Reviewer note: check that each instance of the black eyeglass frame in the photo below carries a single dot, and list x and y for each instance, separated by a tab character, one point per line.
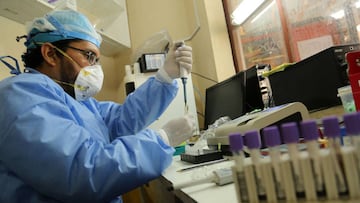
90	55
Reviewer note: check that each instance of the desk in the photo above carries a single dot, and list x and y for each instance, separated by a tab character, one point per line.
158	190
202	193
332	111
207	192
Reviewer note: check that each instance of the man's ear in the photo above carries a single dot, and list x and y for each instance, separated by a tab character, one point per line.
49	54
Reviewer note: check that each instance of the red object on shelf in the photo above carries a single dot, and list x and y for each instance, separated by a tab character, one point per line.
353	60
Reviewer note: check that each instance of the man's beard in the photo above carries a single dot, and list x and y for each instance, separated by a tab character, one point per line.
66	76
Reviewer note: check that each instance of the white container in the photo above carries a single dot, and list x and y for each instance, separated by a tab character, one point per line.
347	99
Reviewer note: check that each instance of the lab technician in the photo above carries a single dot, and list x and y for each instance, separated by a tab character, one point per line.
58	143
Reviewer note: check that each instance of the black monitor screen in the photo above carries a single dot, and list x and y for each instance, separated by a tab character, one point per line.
231	98
225	99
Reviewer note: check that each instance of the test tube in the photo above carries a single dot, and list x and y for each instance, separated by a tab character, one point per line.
333	133
352	126
236	146
310	133
272	140
252	141
352	155
290	133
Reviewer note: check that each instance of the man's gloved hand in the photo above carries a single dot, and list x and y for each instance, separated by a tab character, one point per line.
178	130
176	57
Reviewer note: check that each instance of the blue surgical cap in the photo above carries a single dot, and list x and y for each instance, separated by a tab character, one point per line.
61	25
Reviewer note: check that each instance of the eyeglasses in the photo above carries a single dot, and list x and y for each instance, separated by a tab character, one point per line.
90	56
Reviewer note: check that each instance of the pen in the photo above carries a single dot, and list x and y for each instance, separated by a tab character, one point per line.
202	164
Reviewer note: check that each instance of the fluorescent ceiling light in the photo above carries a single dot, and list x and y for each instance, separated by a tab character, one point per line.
244	10
263	11
357	4
339	14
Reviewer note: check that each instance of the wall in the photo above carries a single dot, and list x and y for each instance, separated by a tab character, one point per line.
8	44
211	46
212	51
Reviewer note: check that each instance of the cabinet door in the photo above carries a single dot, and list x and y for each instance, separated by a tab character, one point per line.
108	17
111	21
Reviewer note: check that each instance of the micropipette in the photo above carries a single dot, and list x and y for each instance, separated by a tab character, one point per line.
183	71
183	77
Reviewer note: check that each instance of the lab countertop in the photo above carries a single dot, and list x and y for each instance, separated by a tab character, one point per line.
206	192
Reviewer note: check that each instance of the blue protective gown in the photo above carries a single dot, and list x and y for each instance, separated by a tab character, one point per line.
56	149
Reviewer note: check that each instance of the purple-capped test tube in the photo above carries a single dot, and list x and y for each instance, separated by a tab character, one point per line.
290	134
310	132
352	124
332	132
331	127
253	143
271	136
272	140
236	142
236	146
252	139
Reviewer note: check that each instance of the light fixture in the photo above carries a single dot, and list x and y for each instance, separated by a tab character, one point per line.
263	11
244	10
339	14
357	4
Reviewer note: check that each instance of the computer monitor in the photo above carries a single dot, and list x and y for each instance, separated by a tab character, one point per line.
233	97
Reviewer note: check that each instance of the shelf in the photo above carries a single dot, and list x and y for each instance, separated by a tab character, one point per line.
109	19
101	9
18	10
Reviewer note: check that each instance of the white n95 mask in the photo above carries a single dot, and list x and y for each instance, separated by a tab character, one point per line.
88	82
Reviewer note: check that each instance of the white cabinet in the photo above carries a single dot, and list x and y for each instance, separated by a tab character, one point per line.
110	20
108	16
23	10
